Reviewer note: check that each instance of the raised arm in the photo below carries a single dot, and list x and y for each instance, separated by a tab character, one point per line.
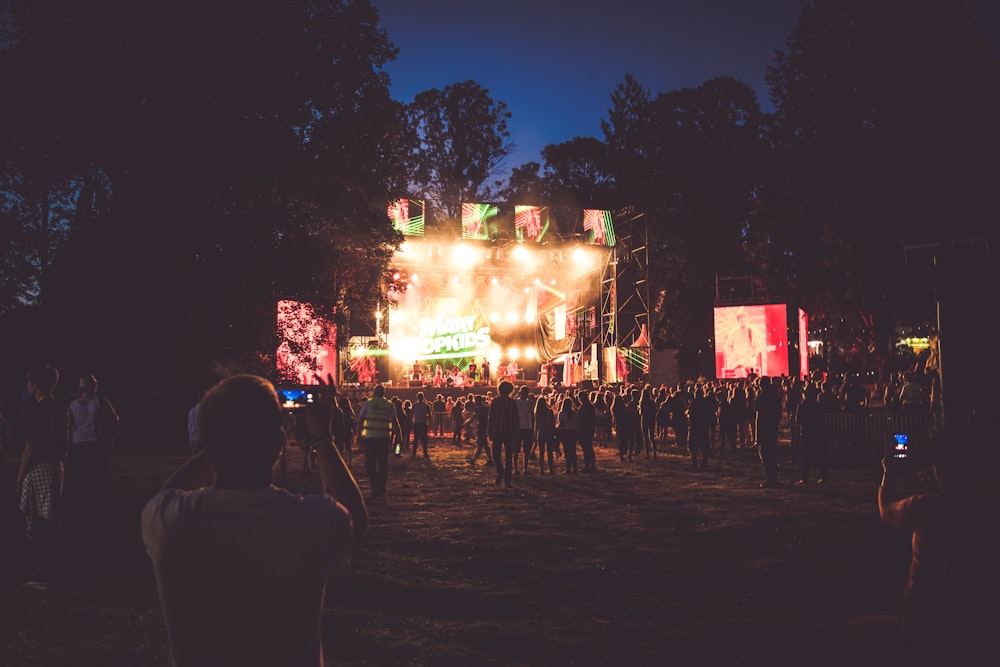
339	484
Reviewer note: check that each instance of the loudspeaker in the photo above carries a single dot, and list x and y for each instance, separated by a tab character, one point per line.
416	383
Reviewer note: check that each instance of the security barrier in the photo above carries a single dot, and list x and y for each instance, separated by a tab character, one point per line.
860	439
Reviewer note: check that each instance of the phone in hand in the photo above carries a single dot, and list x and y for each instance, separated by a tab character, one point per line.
901	448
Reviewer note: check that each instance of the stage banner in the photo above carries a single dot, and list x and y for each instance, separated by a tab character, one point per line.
447	328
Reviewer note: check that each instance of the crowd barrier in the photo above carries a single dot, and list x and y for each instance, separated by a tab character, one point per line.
860	439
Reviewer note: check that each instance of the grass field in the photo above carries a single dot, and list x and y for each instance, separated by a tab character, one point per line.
642	563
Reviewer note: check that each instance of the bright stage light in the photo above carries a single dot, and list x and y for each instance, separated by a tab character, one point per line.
494	281
460	254
513	353
494	317
404	349
520	252
530	353
512	316
527	290
581	257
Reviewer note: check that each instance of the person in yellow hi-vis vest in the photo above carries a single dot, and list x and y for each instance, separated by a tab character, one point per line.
379	426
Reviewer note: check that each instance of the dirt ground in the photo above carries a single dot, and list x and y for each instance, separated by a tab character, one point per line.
641	563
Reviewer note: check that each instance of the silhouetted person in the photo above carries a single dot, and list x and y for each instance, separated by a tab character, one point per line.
812	439
421	418
727	423
567	431
768	411
545	434
677	407
503	428
586	425
701	416
623	426
482	433
441	412
241	565
526	431
93	429
949	601
40	474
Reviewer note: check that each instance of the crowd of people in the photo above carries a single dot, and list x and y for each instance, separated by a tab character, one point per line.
559	427
239	432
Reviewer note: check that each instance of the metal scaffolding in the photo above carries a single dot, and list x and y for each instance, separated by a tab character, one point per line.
625	292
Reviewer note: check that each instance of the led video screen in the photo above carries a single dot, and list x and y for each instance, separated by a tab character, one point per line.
751	340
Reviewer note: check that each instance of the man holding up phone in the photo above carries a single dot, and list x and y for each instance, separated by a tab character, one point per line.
241	565
950	594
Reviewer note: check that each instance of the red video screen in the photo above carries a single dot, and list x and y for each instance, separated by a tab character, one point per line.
751	340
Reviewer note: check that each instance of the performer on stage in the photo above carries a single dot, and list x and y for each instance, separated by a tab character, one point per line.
472	372
549	370
486	370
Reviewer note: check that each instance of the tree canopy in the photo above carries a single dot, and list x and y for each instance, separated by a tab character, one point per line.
461	143
883	131
226	154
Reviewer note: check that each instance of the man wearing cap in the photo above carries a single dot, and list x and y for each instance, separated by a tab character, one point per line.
379	426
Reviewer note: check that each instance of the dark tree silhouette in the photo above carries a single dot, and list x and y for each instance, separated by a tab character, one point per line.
462	142
883	135
245	153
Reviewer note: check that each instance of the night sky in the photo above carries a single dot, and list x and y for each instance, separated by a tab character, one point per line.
555	63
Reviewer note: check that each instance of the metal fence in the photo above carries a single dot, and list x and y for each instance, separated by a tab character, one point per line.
860	439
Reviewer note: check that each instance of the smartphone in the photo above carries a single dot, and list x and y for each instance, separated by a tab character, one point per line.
901	450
